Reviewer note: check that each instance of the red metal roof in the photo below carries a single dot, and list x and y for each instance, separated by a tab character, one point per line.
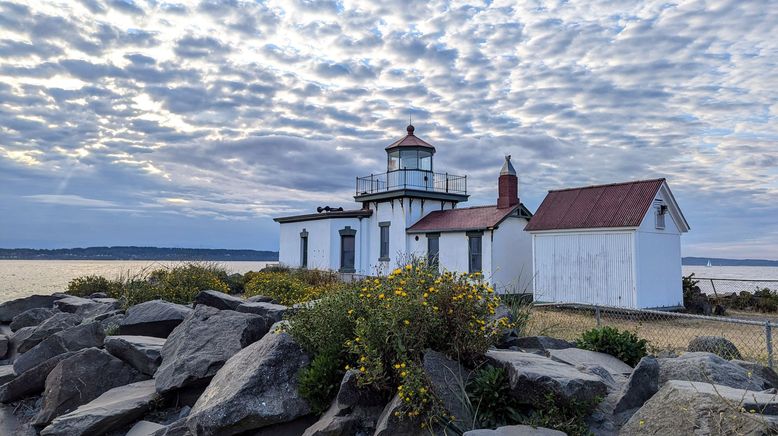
410	140
614	205
464	219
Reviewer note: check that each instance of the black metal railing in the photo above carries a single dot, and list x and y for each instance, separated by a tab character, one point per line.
419	180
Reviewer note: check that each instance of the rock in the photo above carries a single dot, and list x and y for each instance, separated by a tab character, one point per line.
10	309
178	428
198	347
80	379
217	299
686	408
515	430
85	307
31	381
111	324
585	358
716	345
153	318
97	295
111	411
261	299
6	374
389	424
533	378
354	411
4	342
72	339
256	388
141	352
642	385
542	343
57	323
766	373
20	336
709	368
32	317
448	379
272	313
144	428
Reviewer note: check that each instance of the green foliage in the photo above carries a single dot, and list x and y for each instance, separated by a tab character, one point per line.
567	417
318	383
87	285
112	330
490	397
382	326
291	286
624	345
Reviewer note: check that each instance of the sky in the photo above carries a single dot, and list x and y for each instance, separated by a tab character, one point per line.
142	122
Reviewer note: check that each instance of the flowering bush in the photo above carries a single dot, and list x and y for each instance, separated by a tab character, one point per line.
291	286
84	286
388	322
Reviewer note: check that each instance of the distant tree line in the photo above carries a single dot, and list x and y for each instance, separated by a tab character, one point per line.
137	253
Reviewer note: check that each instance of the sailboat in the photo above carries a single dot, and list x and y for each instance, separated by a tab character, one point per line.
709	264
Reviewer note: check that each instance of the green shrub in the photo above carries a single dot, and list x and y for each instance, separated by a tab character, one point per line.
383	326
291	286
489	393
567	417
624	345
87	285
319	382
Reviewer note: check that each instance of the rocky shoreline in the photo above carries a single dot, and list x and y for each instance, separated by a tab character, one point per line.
223	366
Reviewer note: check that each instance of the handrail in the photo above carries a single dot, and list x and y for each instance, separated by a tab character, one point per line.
414	179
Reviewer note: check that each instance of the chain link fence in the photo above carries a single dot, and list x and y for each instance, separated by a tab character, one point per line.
730	287
666	332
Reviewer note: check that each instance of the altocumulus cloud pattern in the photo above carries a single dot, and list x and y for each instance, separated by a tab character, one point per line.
192	123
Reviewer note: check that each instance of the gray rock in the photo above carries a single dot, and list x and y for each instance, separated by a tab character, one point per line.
217	299
766	373
20	336
73	339
261	299
111	411
6	374
354	411
198	347
178	428
533	378
686	408
271	313
85	307
10	309
642	385
716	345
56	323
31	381
542	343
4	342
448	380
32	317
141	352
97	295
709	368
391	425
153	318
585	358
516	430
80	379
350	394
112	323
144	428
256	388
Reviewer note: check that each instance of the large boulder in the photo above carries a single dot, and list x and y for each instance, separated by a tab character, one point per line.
764	372
6	374
141	352
533	378
80	379
217	299
153	318
714	344
261	299
109	412
587	359
391	424
355	410
4	342
683	407
198	347
86	307
270	311
10	309
144	428
709	368
21	335
32	317
256	388
30	382
57	323
643	383
448	379
542	343
73	339
515	430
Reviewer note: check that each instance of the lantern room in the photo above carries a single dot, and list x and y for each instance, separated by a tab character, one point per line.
409	153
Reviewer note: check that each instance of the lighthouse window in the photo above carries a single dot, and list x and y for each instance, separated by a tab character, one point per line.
425	161
304	249
409	159
384	254
347	249
474	245
394	161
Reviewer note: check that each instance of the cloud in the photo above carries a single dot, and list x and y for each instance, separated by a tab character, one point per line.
70	200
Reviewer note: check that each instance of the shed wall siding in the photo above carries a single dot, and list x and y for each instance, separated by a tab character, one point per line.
587	268
512	257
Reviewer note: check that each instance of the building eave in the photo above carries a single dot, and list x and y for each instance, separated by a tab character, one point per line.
362	213
412	193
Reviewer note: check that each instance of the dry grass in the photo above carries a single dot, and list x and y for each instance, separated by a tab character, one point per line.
663	333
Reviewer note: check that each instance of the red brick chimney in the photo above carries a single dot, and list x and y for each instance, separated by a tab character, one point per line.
508	186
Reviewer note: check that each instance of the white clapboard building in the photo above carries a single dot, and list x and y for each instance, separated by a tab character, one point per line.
616	245
412	210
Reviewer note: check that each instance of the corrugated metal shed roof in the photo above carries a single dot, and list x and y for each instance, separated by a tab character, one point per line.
464	219
613	205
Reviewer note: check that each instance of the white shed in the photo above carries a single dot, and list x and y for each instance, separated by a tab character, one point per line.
612	245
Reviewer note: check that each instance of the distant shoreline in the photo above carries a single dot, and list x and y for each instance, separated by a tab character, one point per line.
138	253
716	261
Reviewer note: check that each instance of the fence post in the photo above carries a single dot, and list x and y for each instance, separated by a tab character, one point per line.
768	333
597	315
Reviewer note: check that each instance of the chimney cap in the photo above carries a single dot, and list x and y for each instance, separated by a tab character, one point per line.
507	167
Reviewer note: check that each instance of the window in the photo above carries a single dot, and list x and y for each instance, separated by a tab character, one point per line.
474	251
409	159
394	161
304	249
347	249
433	249
661	211
384	249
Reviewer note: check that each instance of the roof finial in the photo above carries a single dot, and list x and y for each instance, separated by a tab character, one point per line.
410	127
